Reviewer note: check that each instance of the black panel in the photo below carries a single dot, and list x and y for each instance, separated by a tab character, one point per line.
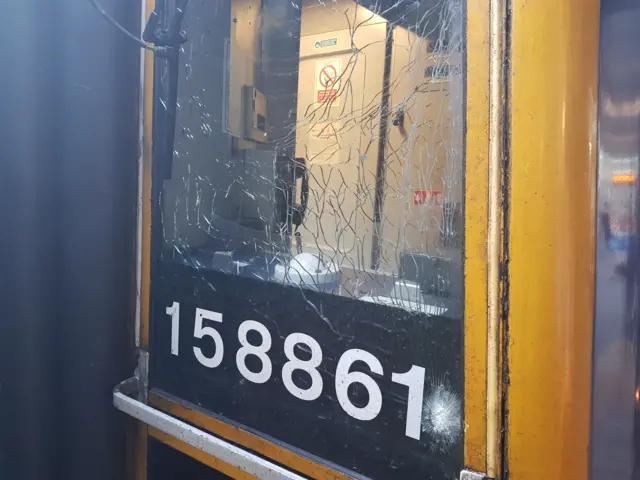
399	339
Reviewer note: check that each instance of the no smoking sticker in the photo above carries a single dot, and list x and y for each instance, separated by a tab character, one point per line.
328	82
328	76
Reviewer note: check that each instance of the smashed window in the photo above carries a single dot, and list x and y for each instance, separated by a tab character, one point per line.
307	229
319	145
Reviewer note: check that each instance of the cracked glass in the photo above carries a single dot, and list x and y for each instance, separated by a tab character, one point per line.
308	227
319	145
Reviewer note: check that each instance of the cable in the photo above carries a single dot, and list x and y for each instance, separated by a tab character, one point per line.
113	22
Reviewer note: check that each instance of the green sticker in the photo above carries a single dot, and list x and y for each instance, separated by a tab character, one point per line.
329	42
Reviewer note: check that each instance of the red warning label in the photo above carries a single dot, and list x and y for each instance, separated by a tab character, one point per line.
327	83
326	96
427	197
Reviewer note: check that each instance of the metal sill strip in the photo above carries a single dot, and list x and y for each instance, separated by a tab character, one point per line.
207	443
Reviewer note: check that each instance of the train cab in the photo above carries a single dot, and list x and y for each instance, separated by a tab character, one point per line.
322	239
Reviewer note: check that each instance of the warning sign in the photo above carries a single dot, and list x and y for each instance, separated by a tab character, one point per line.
328	74
427	197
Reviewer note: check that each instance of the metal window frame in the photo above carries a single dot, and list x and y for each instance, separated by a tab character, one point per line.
477	32
124	399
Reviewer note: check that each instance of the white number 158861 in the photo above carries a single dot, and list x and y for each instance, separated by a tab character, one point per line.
414	379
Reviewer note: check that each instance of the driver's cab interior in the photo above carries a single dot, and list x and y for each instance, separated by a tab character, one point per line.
319	145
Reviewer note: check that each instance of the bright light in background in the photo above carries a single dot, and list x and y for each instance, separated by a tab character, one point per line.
625	178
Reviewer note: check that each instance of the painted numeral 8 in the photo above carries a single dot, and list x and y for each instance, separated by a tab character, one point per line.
259	351
310	366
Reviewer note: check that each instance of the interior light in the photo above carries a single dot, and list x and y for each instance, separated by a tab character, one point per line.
627	178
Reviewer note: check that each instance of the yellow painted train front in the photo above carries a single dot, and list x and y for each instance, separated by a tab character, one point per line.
343	239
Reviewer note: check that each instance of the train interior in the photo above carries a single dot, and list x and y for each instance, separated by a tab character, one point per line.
321	146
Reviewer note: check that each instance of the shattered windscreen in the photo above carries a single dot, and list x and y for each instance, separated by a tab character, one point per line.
308	228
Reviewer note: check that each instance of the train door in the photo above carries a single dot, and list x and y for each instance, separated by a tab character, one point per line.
305	240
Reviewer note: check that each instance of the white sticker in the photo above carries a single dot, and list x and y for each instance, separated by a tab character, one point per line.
327	91
324	143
